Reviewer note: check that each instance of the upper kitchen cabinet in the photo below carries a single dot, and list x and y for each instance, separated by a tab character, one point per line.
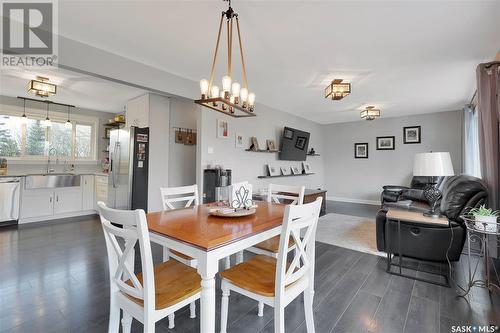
137	111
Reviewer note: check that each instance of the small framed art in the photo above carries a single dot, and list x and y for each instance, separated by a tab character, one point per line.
412	134
386	142
361	150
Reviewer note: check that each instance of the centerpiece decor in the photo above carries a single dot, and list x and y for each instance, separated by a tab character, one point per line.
232	100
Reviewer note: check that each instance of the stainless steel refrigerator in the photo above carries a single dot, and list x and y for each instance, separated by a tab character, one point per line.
129	161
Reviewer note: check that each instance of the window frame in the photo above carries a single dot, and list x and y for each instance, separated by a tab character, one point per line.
38	114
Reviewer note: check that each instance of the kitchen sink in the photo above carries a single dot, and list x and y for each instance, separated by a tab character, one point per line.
51	180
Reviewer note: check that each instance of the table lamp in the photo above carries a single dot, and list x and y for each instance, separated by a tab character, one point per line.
433	165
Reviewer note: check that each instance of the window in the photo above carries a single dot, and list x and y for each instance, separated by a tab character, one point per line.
83	142
29	139
10	136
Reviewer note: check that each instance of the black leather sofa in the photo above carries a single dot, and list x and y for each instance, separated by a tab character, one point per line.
412	196
426	242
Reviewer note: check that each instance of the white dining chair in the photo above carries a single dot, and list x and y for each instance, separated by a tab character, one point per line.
155	292
175	198
277	282
292	195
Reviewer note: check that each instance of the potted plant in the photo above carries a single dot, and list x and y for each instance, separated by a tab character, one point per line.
485	218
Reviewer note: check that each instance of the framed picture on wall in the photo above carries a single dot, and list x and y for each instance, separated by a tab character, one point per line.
412	134
386	142
222	129
306	167
239	140
273	170
296	170
286	171
361	150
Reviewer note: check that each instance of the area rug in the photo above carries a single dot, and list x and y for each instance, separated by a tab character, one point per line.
351	232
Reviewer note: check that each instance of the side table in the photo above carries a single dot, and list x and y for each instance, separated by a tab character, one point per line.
399	215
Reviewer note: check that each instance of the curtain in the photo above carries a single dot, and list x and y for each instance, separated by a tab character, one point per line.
472	165
488	106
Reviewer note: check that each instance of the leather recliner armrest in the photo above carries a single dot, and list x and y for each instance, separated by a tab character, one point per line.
414	194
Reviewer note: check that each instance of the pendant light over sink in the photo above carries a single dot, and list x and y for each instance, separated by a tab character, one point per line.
233	100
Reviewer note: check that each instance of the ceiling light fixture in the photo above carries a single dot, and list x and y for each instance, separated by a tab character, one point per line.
41	87
337	89
232	97
24	118
68	123
370	113
47	122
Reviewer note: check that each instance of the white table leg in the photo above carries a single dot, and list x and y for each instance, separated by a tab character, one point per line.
207	270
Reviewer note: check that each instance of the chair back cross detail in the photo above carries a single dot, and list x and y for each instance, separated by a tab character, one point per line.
172	195
280	193
120	243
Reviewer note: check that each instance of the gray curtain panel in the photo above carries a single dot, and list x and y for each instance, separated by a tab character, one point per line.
488	106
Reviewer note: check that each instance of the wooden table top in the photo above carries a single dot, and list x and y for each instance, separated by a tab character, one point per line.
418	217
196	227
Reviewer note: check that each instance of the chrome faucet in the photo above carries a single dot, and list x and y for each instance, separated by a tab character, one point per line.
51	150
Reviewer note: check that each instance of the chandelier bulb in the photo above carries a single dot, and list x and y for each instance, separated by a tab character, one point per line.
214	92
226	83
235	89
204	87
68	124
244	94
251	99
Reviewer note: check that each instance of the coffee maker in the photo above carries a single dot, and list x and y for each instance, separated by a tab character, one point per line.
216	185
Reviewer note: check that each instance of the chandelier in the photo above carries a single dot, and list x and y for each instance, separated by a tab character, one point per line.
370	113
232	99
337	89
41	87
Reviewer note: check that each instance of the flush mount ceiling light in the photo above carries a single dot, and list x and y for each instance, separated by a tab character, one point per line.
41	87
337	89
233	100
370	113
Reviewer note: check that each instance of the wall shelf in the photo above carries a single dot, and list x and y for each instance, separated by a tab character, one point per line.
300	174
262	151
115	124
313	155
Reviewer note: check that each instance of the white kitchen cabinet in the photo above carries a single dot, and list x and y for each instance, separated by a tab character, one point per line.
67	200
137	111
101	189
87	184
37	203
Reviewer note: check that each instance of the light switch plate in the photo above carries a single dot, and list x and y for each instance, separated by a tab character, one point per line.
210	150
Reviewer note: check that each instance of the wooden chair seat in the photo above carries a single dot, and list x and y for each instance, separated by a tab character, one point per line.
257	275
272	244
174	282
182	255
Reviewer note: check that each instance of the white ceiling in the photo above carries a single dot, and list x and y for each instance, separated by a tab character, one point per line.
406	57
73	88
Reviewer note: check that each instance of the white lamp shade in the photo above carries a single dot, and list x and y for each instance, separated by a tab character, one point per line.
433	164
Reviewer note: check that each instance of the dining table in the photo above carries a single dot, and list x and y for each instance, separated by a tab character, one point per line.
206	238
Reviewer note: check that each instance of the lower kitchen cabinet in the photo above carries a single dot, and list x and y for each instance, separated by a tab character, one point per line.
88	192
52	203
37	203
67	200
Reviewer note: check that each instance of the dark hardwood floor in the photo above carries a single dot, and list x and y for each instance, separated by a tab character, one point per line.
54	278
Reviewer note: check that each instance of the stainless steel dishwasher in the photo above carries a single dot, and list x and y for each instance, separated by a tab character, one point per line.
9	200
